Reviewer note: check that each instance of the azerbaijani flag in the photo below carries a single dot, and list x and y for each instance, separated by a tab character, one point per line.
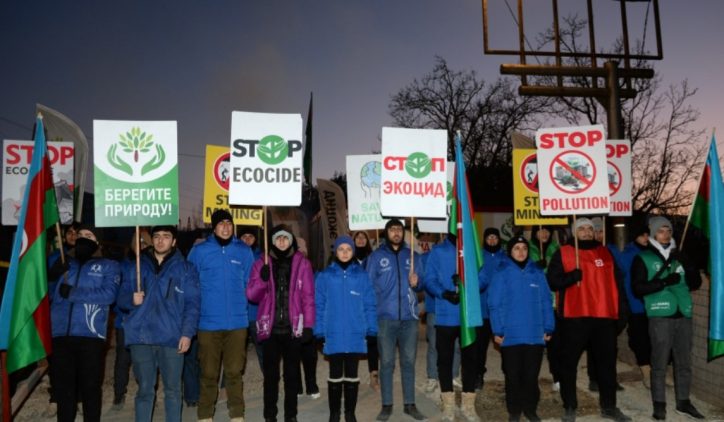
25	311
708	216
470	258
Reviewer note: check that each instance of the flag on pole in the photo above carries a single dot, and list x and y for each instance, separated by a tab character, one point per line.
25	311
708	216
470	258
308	144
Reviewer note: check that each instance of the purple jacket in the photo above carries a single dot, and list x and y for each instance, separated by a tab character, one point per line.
301	296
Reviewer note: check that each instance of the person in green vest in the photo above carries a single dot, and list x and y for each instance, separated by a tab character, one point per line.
664	278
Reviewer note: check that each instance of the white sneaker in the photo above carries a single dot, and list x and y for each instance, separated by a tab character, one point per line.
431	385
457	382
556	386
315	396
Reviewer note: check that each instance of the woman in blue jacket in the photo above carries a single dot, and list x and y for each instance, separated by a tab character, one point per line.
345	309
521	315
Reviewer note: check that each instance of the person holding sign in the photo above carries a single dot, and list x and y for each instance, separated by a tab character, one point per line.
282	283
521	315
79	307
345	315
223	263
391	270
162	320
664	278
591	300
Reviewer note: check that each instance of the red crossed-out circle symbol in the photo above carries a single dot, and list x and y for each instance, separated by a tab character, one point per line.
572	172
529	172
222	171
614	178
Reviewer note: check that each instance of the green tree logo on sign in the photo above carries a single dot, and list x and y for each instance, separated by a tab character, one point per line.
136	145
418	165
272	149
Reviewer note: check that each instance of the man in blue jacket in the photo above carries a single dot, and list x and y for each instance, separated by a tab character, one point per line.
163	316
395	288
223	263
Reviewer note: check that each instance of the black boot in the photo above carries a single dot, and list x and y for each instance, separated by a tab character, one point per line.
335	401
350	400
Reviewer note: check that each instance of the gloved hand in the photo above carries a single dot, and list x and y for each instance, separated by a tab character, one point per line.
574	276
320	341
542	263
307	335
451	297
456	279
65	290
264	273
671	279
57	269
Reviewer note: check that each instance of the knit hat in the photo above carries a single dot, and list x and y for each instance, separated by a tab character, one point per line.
580	222
657	222
394	222
518	238
279	231
170	229
344	240
218	216
597	223
491	230
252	230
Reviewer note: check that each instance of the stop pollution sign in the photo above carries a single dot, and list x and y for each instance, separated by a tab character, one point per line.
572	175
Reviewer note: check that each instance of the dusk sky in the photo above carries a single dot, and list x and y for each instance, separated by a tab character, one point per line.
197	61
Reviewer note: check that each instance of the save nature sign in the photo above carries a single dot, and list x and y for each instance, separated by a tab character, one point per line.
136	173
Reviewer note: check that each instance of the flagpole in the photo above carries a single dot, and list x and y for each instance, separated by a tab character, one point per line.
698	184
575	242
7	406
62	252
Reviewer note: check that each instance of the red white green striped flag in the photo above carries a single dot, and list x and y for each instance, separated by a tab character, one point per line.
708	216
25	312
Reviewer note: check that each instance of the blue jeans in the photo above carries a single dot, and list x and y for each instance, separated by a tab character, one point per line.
404	335
192	373
432	350
147	359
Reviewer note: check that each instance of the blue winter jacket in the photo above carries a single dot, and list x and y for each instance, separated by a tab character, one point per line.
345	309
85	312
388	270
624	259
441	266
429	298
223	276
491	263
521	309
170	307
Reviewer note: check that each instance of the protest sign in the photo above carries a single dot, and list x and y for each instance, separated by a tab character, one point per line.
618	154
440	225
525	190
364	179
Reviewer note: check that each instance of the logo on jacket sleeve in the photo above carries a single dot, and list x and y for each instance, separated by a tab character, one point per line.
384	262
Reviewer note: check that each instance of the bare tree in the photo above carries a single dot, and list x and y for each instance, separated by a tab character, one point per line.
660	122
485	113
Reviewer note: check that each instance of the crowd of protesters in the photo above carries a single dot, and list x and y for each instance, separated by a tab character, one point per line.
192	319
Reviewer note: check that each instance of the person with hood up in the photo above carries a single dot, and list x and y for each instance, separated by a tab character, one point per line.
442	281
282	283
223	264
493	254
345	315
521	315
664	277
79	308
396	290
162	320
363	249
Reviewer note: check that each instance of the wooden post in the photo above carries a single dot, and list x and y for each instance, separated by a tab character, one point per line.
138	259
266	237
412	245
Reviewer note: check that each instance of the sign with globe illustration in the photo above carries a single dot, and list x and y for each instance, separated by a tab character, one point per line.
135	169
364	176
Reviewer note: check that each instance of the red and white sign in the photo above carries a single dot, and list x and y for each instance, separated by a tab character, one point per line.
414	174
572	170
618	154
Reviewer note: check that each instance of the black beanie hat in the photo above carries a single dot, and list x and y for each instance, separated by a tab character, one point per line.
218	216
518	238
491	230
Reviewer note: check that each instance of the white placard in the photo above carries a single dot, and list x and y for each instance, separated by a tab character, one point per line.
16	164
266	159
364	179
414	172
618	154
440	225
572	170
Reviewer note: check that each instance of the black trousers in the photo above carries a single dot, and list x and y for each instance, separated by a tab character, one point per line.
309	363
281	348
553	352
445	338
638	338
78	370
343	367
521	366
373	355
122	365
483	335
599	336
